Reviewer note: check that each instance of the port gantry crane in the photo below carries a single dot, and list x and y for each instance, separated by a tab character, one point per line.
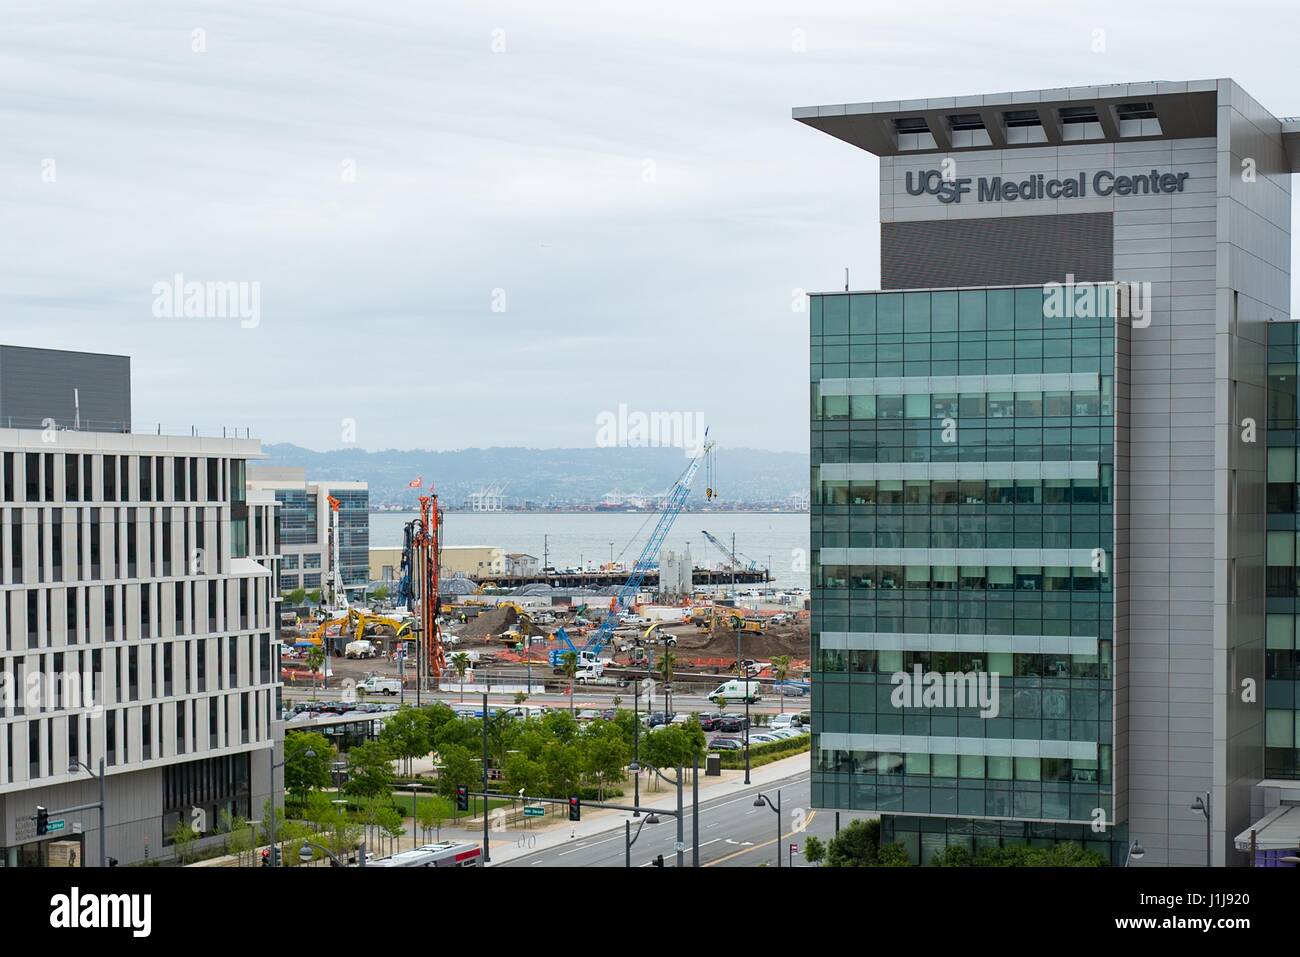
734	559
418	588
648	559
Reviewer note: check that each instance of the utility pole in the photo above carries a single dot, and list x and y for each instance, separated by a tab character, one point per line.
487	857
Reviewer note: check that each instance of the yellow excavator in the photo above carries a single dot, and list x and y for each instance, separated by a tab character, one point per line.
357	622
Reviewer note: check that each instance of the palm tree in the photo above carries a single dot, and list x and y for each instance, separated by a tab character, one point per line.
666	672
570	661
315	660
460	661
781	671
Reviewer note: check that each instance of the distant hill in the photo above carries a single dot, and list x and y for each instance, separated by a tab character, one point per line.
548	476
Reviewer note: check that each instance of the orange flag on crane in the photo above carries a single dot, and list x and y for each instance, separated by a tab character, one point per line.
416	482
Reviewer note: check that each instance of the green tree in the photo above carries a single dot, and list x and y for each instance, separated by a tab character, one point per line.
430	818
524	773
563	766
406	735
570	667
239	837
370	770
521	697
380	593
605	755
857	845
303	773
313	596
459	766
460	661
183	838
954	855
893	855
814	850
296	597
781	671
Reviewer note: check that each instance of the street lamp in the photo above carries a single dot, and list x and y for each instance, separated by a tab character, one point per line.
762	800
629	838
635	766
743	672
305	855
680	846
1135	853
76	765
1203	805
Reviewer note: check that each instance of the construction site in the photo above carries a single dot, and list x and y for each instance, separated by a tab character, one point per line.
652	620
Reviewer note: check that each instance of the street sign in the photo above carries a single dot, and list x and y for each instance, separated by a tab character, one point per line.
794	848
55	826
534	810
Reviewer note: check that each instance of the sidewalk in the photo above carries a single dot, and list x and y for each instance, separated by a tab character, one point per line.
506	845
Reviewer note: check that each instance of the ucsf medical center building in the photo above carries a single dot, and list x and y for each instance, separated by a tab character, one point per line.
1054	461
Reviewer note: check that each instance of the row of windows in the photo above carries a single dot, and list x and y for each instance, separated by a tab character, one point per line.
965	406
96	544
37	618
964	492
964	766
969	310
51	477
1026	709
77	679
834	364
1005	663
953	577
970	798
45	747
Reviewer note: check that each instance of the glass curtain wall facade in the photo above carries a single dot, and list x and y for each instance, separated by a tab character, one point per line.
354	536
1282	654
962	527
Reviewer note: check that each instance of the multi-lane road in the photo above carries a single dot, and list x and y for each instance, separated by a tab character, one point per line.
733	833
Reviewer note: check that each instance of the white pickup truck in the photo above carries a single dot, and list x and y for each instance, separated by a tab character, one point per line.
595	675
377	685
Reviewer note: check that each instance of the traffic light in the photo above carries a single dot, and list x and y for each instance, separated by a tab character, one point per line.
659	861
275	856
42	820
575	809
462	798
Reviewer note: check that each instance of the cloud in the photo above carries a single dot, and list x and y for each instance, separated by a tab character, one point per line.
628	181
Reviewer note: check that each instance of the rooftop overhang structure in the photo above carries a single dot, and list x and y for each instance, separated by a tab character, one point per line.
1122	113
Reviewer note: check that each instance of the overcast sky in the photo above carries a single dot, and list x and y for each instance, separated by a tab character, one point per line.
624	179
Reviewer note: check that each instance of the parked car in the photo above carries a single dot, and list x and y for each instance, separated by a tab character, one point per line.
732	723
726	744
659	718
762	737
589	714
709	720
784	733
609	714
789	719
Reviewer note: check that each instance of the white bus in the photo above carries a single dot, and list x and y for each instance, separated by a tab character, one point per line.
444	854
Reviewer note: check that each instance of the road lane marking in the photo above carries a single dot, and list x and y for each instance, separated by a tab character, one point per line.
759	847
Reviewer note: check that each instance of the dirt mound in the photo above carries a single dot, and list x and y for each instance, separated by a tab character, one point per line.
794	640
492	622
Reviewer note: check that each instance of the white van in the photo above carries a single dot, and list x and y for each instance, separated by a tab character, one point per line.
736	690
